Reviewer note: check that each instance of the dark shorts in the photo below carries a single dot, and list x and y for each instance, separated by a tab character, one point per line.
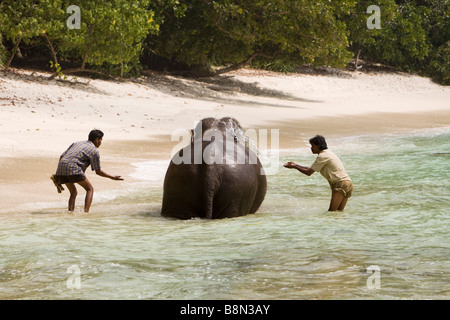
70	179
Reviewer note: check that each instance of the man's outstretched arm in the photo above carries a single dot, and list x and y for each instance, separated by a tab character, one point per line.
305	170
102	173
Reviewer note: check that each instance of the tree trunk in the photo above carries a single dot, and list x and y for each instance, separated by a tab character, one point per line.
75	70
55	59
83	62
356	60
244	63
121	58
12	54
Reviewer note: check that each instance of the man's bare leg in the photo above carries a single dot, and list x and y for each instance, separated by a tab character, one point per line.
89	194
73	195
342	205
337	202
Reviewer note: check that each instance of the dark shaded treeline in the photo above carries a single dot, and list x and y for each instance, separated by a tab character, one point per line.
203	37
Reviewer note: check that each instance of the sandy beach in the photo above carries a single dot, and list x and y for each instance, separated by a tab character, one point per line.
40	118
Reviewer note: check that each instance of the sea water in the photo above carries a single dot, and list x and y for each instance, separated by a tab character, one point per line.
391	242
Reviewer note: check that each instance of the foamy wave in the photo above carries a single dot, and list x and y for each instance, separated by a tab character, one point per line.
153	170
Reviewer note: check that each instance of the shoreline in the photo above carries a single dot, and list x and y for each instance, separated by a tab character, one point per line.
119	157
39	119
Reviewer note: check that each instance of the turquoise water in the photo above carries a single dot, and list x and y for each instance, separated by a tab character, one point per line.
397	220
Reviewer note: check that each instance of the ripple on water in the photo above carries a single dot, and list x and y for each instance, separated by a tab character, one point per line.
291	249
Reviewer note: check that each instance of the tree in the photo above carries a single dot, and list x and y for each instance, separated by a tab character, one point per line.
437	65
111	33
51	17
414	36
216	36
402	39
236	32
18	23
2	53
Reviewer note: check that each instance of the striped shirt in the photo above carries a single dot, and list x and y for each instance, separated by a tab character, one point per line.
77	158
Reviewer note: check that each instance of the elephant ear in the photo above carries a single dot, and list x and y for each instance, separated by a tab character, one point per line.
202	126
231	122
237	124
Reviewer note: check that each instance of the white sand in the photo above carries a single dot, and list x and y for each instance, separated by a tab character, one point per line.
39	118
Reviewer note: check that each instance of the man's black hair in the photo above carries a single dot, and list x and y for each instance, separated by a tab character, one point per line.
319	141
95	134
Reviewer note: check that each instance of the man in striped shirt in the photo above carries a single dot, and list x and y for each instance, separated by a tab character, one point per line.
73	164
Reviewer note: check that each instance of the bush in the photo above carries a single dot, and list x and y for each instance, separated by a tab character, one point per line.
439	67
200	34
3	53
111	31
204	33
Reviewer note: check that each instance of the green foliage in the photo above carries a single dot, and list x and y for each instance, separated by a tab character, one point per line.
111	32
229	32
413	35
19	20
439	67
3	53
22	21
57	68
401	41
272	34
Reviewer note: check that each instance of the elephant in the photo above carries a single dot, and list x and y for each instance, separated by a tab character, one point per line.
219	176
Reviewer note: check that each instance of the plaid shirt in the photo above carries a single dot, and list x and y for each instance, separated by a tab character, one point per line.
77	158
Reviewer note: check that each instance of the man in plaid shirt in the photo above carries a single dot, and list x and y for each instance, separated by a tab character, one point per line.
73	164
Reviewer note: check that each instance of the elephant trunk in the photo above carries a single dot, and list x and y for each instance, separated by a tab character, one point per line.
211	182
